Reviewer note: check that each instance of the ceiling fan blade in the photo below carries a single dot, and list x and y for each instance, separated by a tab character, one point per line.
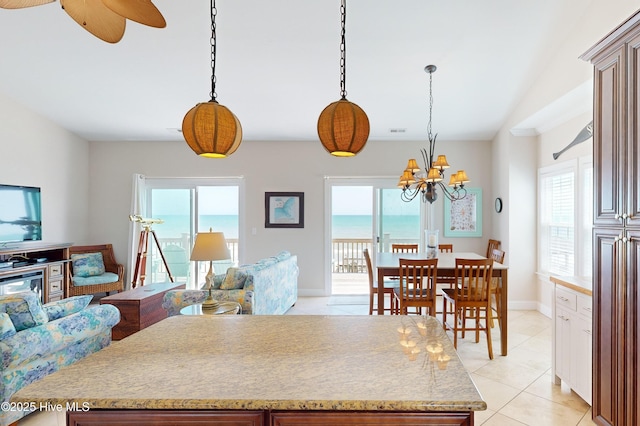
19	4
96	18
141	11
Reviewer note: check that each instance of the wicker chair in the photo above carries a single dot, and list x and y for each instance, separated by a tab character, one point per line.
110	265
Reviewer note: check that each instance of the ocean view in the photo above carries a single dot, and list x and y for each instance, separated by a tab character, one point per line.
344	226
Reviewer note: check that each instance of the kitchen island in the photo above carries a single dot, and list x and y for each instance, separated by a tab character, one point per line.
269	370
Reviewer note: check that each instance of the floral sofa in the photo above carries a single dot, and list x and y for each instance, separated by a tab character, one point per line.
37	340
267	287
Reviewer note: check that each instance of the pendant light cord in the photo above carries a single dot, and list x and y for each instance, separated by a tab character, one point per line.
343	50
214	12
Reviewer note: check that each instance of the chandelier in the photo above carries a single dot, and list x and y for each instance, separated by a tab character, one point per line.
415	182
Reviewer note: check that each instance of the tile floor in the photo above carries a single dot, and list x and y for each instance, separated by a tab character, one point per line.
518	388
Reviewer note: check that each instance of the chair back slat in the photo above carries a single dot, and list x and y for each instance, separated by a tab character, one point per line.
367	260
493	244
474	278
404	248
418	279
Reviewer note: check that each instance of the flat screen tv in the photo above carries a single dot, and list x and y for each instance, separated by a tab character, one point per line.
20	214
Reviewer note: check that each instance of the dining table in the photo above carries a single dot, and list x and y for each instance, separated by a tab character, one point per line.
388	265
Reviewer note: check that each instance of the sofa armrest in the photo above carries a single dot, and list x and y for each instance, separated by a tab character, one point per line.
174	300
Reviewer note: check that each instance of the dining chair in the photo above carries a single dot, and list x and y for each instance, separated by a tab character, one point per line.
373	287
445	248
492	244
418	279
404	248
470	300
498	256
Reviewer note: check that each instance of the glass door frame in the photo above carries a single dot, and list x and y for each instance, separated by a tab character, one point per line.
375	183
192	184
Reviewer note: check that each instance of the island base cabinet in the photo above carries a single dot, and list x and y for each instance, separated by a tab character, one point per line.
324	418
166	418
262	418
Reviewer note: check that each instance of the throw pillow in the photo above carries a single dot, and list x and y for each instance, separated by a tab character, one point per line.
68	306
6	326
24	309
87	264
234	279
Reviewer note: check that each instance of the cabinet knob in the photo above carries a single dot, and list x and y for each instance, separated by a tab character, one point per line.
624	215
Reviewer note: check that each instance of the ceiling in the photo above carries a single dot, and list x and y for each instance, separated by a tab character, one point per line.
278	65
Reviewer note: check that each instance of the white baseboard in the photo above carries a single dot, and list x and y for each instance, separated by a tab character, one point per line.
311	293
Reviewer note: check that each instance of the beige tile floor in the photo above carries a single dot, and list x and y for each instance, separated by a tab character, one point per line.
518	388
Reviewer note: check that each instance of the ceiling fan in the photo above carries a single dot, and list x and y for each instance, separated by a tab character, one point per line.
105	19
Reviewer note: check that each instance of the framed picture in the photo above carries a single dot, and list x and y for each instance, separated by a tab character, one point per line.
284	209
463	218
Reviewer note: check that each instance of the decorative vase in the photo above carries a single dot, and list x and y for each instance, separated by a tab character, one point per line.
431	241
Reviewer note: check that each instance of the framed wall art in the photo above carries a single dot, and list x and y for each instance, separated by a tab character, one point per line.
284	209
463	218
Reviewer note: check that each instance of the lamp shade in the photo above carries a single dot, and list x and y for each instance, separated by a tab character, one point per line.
412	166
343	128
212	130
441	162
461	177
434	175
210	246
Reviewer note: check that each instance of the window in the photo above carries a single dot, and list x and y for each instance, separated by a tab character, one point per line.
564	218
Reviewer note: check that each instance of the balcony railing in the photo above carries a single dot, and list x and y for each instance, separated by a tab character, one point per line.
347	253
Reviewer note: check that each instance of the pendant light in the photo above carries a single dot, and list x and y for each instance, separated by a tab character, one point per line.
343	127
210	129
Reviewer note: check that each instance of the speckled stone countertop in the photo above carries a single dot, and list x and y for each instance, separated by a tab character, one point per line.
270	362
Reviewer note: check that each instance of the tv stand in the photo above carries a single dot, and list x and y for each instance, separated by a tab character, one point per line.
52	260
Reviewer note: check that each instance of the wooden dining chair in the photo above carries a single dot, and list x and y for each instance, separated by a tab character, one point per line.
470	300
497	255
492	244
404	248
373	287
445	248
418	279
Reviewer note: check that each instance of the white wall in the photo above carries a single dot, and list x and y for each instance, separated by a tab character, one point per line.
513	174
267	166
36	152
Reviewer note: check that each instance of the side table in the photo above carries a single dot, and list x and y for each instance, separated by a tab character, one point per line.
224	308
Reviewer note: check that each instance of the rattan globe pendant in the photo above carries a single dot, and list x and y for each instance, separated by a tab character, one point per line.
211	130
343	128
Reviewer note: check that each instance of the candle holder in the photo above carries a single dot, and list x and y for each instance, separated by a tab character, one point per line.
431	241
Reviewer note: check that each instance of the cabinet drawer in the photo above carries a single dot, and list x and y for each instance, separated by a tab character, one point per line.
55	286
585	306
565	298
55	270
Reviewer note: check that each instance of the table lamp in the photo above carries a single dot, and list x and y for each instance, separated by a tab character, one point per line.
210	246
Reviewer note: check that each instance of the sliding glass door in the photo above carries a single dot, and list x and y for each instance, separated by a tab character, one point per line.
185	207
364	213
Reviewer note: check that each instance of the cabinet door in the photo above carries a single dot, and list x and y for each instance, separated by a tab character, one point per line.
583	347
632	209
609	135
608	328
563	344
633	327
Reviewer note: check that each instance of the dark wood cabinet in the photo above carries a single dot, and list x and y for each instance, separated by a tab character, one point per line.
616	235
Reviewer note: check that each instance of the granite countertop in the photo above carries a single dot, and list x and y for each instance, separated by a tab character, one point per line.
270	362
578	284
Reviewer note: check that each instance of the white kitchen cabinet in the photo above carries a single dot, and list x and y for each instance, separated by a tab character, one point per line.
572	340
